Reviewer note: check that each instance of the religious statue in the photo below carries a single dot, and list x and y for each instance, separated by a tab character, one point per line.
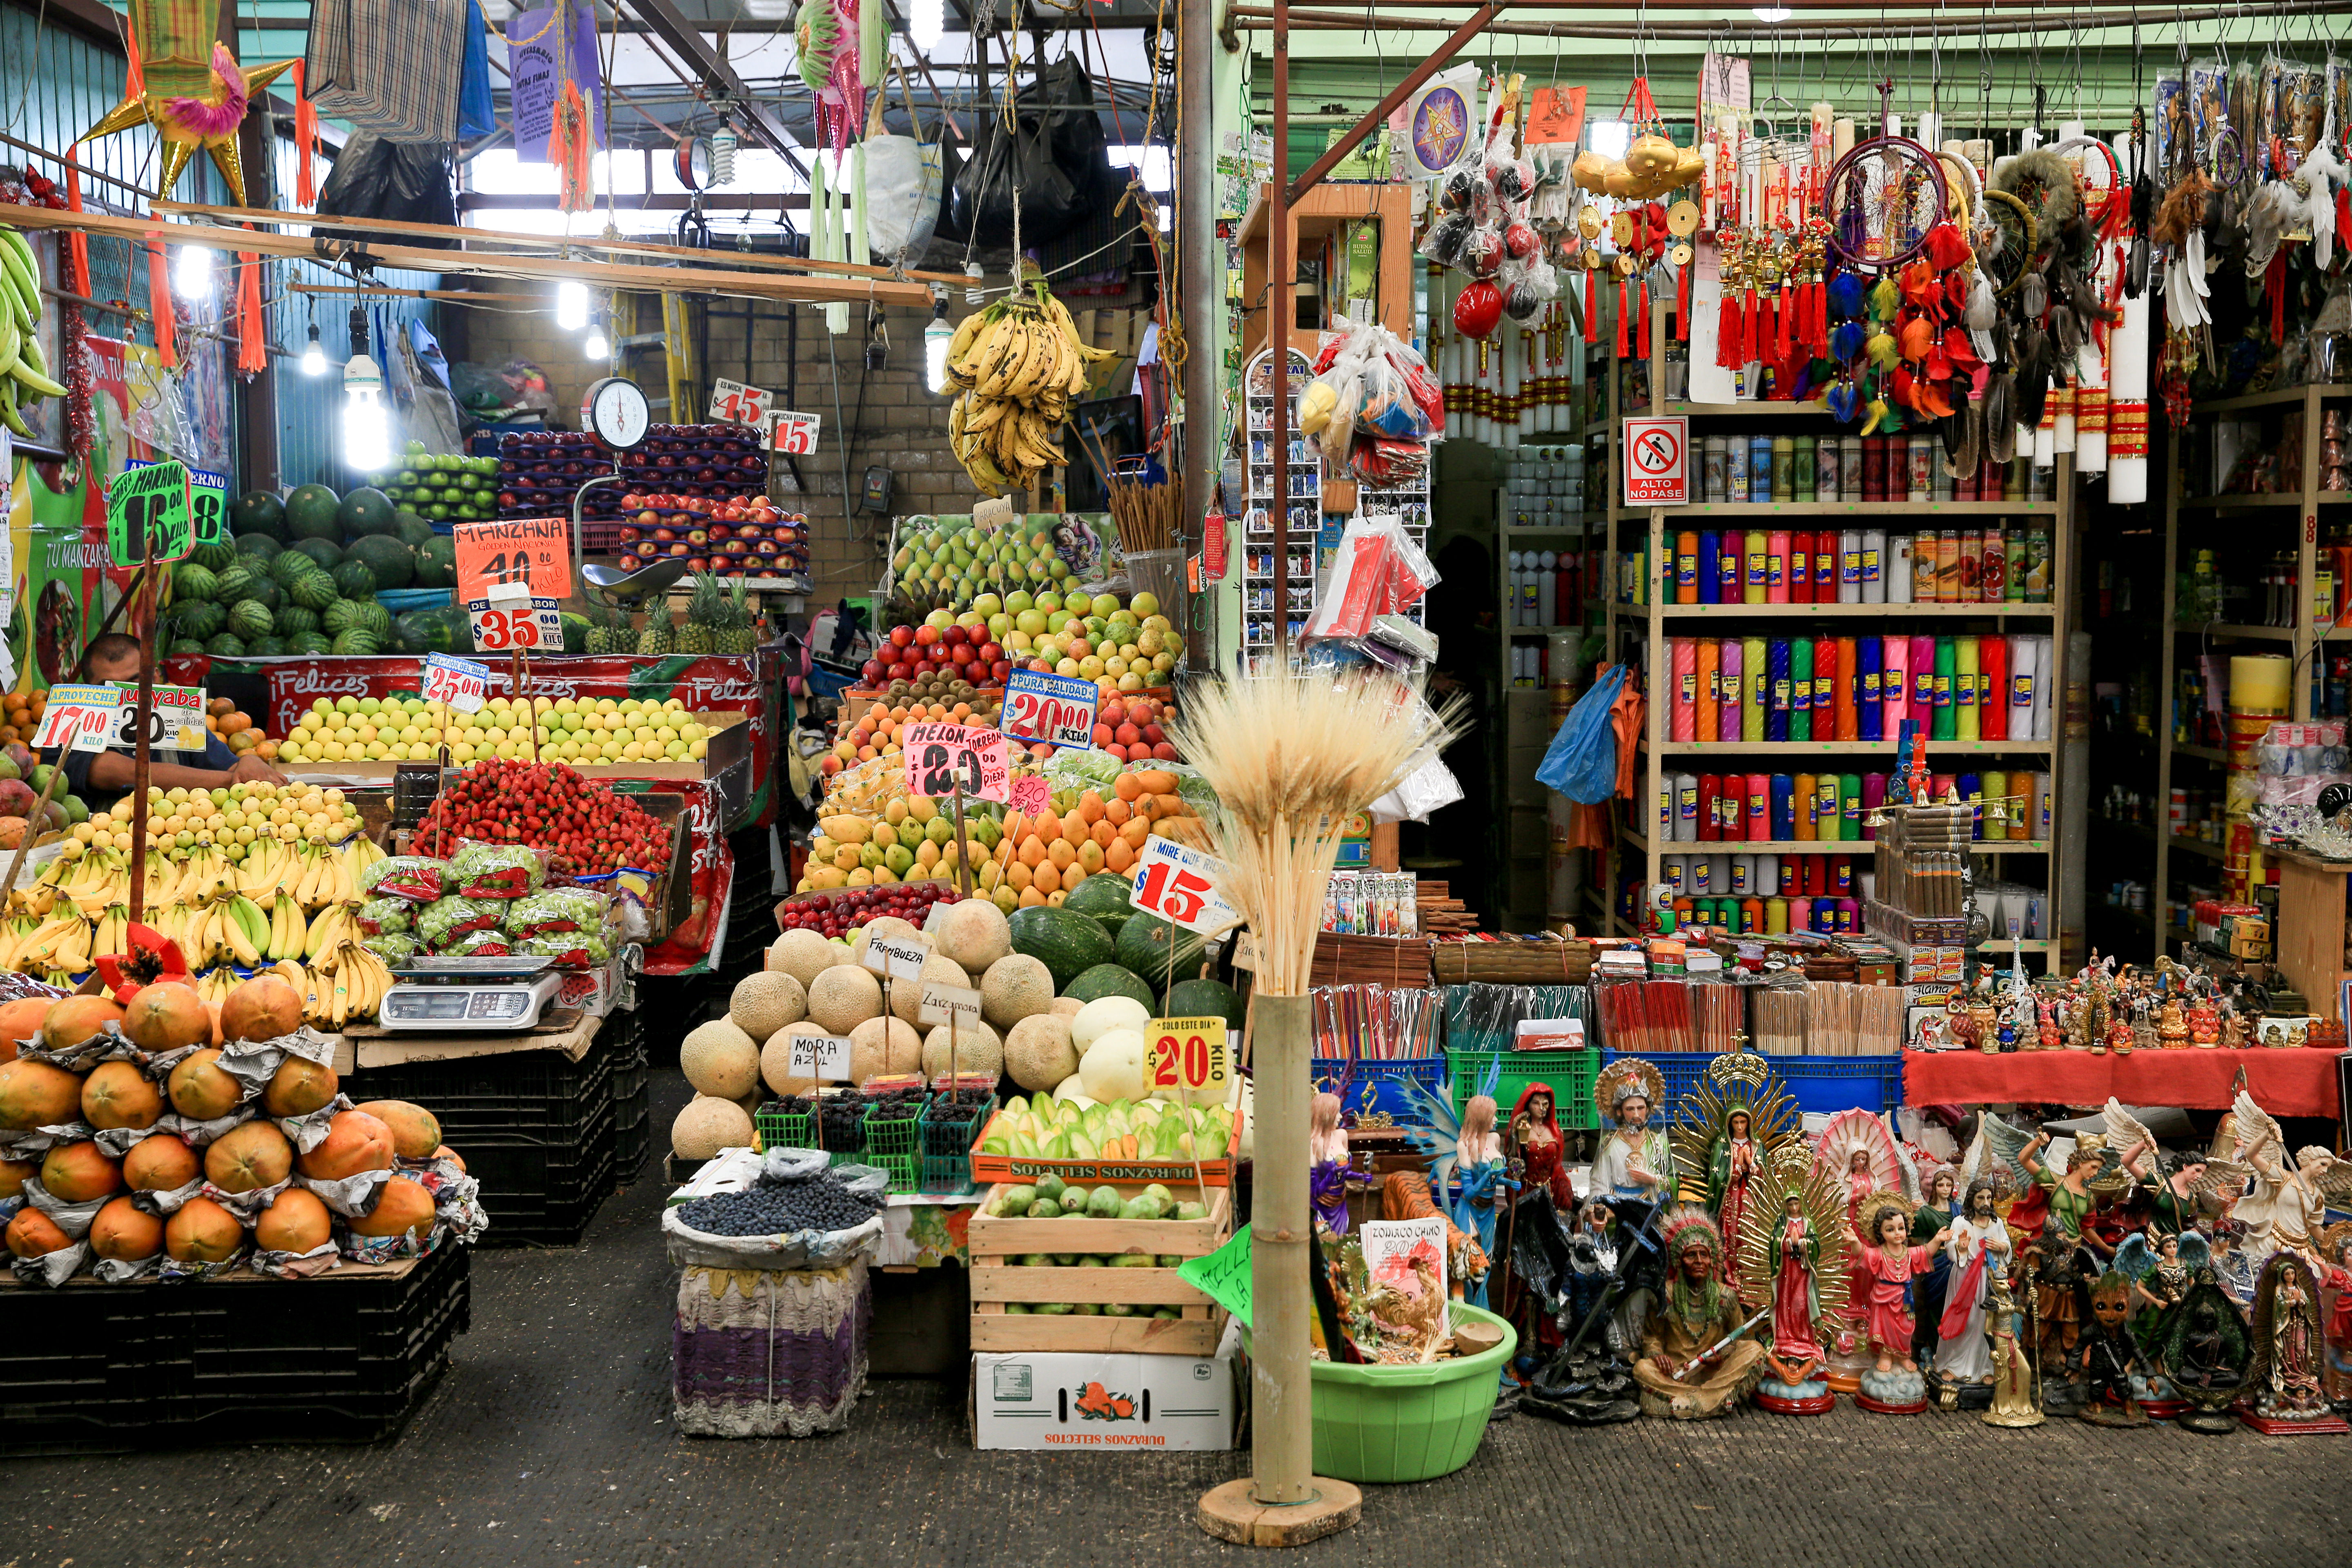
1940	1208
1795	1256
1887	1264
2109	1358
1857	1156
2335	1285
1728	1126
2070	1197
2166	1184
2049	1037
1326	1167
1634	1164
2286	1380
2205	1354
1979	1242
2204	1023
1695	1361
2015	1390
2277	1206
2161	1265
2172	1025
1536	1143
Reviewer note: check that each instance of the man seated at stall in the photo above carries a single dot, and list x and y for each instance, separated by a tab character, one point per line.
102	778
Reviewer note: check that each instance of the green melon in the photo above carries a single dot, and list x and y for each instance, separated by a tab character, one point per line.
313	591
197	617
423	631
181	645
436	562
267	647
258	512
411	530
357	640
325	553
308	642
392	563
339	618
190	581
213	556
292	620
353	580
310	513
265	589
364	511
1145	943
1105	898
249	619
258	547
1109	980
288	564
1068	944
575	633
1202	999
226	645
232	584
375	619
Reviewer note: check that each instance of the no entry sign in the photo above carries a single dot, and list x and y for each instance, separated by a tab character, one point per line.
1657	467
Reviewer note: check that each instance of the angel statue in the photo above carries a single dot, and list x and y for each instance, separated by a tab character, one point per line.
1795	1254
2169	1182
2162	1267
2280	1202
1634	1164
2070	1193
1729	1125
1888	1263
2285	1374
1467	1172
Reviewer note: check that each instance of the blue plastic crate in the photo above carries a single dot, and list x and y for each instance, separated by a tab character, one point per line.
1383	1081
1822	1085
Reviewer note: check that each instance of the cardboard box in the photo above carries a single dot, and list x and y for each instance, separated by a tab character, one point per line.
1087	1401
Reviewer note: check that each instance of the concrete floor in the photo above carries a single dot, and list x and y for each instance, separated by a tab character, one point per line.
547	1442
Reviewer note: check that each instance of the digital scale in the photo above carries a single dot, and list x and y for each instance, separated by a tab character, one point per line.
444	995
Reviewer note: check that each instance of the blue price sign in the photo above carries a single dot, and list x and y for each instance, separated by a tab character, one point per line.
1058	710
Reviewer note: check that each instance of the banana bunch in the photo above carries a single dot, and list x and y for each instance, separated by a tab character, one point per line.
57	945
214	985
1019	364
314	875
347	983
23	370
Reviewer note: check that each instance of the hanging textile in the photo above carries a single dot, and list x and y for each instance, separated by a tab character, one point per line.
252	326
571	145
383	65
158	303
306	144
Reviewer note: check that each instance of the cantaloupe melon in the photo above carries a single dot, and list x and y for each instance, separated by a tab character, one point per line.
1015	986
974	933
705	1126
765	1001
1038	1052
1065	1007
884	925
978	1052
906	995
843	997
776	1056
873	1053
803	955
720	1059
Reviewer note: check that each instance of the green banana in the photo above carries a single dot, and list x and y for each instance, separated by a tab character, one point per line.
28	348
11	343
8	415
17	255
35	380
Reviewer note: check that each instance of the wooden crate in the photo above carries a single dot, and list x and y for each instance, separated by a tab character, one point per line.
994	1244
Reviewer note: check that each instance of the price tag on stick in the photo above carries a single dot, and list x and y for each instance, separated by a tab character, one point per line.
148	510
945	1004
942	757
80	717
458	683
1179	883
1189	1053
794	435
896	957
1058	710
533	626
175	721
824	1058
738	404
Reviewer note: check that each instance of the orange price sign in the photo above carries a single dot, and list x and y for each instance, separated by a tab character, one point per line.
1189	1053
535	551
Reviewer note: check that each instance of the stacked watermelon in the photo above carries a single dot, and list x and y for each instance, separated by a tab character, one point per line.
286	586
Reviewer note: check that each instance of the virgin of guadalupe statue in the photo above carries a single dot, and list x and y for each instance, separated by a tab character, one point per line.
1725	1130
1795	1256
2286	1376
1634	1164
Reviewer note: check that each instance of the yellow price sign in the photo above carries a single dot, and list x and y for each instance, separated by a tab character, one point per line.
1189	1053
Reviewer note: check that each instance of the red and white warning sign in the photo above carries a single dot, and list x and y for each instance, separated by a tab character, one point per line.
1657	467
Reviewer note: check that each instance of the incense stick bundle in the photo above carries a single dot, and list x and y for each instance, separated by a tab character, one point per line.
1781	1014
1146	513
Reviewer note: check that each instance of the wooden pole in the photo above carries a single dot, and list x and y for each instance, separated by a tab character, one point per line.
1282	1443
140	755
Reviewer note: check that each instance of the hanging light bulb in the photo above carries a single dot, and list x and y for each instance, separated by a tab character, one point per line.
192	271
572	306
596	348
722	155
314	355
367	429
935	339
925	23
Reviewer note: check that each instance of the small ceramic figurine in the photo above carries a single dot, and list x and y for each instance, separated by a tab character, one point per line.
2050	1037
2286	1368
2109	1358
2204	1023
2014	1388
2172	1025
1327	1155
2233	1031
1688	1370
1478	1164
1541	1151
1634	1164
1887	1264
1978	1243
2205	1354
2336	1244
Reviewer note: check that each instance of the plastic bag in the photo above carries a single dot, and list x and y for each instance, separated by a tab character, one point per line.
417	877
1582	762
568	950
444	921
483	871
392	947
489	943
1377	570
555	909
903	186
408	182
1441	123
386	916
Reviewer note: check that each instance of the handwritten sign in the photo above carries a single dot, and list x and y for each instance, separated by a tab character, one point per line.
459	682
945	1004
536	551
80	717
1179	883
176	720
148	515
1058	710
1223	1276
207	502
737	404
1189	1053
824	1058
899	957
1031	793
942	757
795	434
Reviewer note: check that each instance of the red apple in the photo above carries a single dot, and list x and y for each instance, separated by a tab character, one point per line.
990	653
926	634
999	670
902	635
955	636
872	673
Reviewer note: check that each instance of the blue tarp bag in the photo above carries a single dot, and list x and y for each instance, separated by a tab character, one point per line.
1582	762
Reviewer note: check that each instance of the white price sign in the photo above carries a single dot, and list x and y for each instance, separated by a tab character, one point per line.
737	404
175	721
459	682
534	625
824	1058
899	957
1179	883
945	1004
1058	710
795	434
81	717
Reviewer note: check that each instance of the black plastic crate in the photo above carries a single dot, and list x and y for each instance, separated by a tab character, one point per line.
344	1358
545	1195
632	1143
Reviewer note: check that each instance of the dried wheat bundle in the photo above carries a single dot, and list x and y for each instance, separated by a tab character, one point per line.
1291	757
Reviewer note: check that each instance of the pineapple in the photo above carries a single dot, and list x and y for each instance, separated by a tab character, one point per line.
741	635
606	634
704	614
658	638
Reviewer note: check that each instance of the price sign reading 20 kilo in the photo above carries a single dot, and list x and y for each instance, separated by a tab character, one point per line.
940	758
1058	710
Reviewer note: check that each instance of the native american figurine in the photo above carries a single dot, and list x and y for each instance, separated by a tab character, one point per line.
2015	1390
1727	1128
1634	1164
1795	1253
1687	1369
2287	1343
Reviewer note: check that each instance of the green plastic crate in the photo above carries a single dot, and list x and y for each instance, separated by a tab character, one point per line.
895	1143
1570	1073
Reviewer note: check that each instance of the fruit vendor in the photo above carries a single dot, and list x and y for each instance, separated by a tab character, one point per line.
102	777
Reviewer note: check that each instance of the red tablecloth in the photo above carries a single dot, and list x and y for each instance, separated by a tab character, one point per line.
2285	1082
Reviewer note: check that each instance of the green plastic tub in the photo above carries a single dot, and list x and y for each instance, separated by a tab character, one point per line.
1407	1423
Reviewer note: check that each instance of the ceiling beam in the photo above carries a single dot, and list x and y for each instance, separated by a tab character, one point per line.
718	78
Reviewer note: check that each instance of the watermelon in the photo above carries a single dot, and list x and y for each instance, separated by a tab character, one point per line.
313	591
288	564
293	619
411	530
267	647
340	616
249	619
364	511
226	644
325	553
575	633
258	512
436	562
213	556
424	631
1068	944
190	581
1202	999
392	563
357	640
232	584
310	513
198	618
1109	980
1105	898
375	619
181	645
258	547
353	580
308	642
1144	944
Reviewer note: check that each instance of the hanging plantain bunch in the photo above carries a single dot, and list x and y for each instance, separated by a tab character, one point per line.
1019	365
